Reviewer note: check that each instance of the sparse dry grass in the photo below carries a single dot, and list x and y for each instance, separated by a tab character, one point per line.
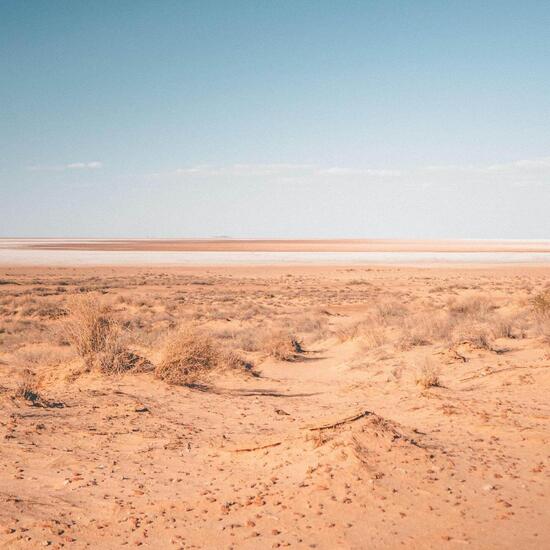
475	306
103	316
370	331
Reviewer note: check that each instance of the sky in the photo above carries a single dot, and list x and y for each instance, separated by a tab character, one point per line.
275	119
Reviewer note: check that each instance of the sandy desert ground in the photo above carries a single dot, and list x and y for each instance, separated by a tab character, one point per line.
268	407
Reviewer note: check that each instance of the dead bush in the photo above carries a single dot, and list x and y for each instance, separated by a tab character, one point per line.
89	326
369	331
98	338
390	310
189	356
411	338
428	375
477	336
541	305
233	361
313	327
250	339
372	337
283	346
476	306
116	358
27	388
507	327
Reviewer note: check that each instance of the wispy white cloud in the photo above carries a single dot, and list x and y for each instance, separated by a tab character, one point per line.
522	165
278	170
519	172
368	172
92	165
242	170
83	165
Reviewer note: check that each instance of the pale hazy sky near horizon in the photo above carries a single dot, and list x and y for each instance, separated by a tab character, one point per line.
407	119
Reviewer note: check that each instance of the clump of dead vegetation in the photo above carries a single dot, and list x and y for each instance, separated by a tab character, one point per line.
541	308
28	388
428	375
191	356
541	305
478	336
283	345
98	338
368	332
188	356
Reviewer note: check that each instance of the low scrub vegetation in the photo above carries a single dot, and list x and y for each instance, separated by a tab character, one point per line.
283	346
27	389
98	338
187	358
541	305
192	356
428	375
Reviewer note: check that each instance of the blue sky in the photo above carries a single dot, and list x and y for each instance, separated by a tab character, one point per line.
275	119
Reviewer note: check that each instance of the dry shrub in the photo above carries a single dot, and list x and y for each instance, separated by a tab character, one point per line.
541	305
369	331
503	328
116	358
313	327
435	326
372	337
390	310
476	306
509	326
89	326
188	357
27	388
428	375
411	338
477	336
191	356
421	330
283	346
541	308
348	332
250	339
309	323
233	361
98	338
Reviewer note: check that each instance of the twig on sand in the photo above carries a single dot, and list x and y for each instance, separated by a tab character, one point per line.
484	374
325	426
257	447
341	421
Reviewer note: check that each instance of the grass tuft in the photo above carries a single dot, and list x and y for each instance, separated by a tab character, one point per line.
428	375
